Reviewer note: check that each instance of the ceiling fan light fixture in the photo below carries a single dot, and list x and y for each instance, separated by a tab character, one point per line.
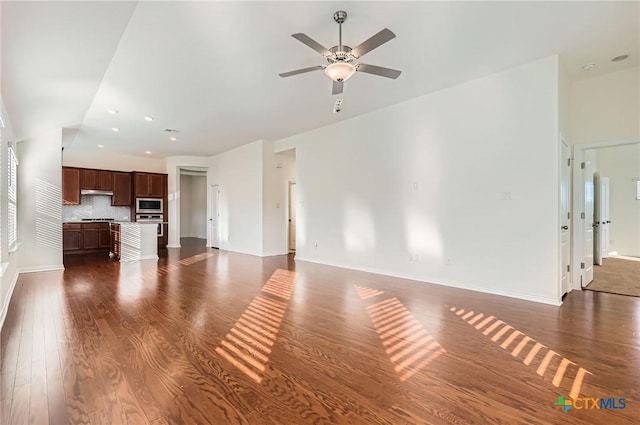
340	71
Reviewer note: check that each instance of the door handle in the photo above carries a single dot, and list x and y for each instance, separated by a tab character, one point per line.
565	227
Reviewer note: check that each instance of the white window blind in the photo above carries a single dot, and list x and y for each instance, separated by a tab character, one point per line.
638	189
12	192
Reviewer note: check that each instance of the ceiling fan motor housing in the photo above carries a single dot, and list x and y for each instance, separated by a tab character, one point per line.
343	55
340	16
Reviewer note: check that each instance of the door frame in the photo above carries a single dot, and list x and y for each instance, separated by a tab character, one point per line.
577	255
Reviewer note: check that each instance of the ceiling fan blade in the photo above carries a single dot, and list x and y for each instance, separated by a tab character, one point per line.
301	71
373	42
337	87
378	70
311	43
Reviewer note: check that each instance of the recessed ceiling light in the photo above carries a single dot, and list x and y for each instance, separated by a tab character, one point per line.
101	146
148	152
112	111
149	119
115	129
619	58
589	66
173	139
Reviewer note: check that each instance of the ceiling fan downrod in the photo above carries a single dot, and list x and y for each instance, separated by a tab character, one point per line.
340	16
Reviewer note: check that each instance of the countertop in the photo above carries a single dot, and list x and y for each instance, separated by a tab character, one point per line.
83	222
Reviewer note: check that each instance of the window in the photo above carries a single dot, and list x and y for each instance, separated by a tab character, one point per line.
12	192
638	189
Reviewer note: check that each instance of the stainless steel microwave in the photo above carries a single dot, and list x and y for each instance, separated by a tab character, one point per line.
148	205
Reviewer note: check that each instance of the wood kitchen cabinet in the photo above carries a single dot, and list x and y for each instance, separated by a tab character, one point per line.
96	179
70	186
71	237
121	189
91	236
78	238
148	185
96	236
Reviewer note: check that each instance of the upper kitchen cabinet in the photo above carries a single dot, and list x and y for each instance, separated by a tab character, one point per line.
121	189
96	180
70	186
148	185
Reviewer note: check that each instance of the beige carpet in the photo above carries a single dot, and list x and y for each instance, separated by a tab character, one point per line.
617	276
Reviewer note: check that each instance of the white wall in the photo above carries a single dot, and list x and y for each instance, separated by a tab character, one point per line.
622	165
102	159
606	108
39	205
564	104
193	206
239	174
417	189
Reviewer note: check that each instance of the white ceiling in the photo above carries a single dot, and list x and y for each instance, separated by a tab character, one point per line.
210	69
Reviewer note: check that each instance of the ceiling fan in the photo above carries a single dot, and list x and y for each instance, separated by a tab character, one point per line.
341	58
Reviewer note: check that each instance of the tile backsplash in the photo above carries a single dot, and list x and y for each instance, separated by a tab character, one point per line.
95	206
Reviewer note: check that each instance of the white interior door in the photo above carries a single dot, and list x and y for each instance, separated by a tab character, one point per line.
588	224
597	234
292	217
565	206
605	220
214	219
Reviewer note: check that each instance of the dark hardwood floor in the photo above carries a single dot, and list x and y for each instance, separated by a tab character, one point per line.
209	337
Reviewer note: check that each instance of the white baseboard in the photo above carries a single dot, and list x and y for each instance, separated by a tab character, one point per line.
442	282
149	257
7	300
37	269
273	254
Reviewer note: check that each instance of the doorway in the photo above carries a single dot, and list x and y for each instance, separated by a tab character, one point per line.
193	204
607	209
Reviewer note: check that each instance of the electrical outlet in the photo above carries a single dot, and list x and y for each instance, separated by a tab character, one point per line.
315	244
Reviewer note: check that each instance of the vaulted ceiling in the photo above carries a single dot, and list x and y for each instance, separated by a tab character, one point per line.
210	69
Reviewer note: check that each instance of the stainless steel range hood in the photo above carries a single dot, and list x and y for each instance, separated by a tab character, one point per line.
96	192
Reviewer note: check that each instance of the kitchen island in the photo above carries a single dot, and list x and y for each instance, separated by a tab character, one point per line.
133	241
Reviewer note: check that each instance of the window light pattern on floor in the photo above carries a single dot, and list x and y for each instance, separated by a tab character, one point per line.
366	293
505	335
407	343
280	284
248	344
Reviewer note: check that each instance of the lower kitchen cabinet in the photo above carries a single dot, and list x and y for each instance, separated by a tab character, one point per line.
71	237
80	238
